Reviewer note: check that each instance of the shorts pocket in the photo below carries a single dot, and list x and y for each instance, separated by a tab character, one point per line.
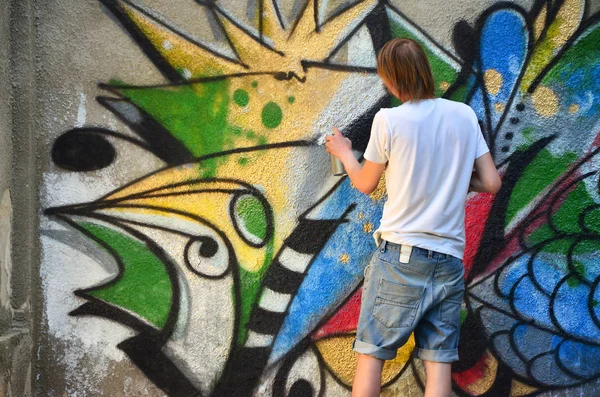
451	305
396	305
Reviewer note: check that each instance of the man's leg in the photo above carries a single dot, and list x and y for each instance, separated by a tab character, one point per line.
367	382
439	381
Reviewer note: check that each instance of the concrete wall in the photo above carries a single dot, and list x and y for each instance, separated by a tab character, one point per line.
194	241
18	200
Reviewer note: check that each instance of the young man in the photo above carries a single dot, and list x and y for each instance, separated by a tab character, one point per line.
414	282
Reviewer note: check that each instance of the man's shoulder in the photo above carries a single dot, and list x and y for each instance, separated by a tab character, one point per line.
456	106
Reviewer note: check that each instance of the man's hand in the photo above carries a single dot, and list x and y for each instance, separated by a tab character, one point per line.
338	145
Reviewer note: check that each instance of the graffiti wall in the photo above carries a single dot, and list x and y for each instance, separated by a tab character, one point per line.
195	243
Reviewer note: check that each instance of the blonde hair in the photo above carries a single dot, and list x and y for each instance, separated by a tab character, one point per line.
404	67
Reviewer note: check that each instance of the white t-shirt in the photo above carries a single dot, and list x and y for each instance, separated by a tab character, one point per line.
431	146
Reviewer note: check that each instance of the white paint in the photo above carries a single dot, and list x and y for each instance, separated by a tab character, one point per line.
258	340
214	266
167	45
360	49
83	342
293	260
81	112
306	368
358	93
201	341
187	74
65	270
274	301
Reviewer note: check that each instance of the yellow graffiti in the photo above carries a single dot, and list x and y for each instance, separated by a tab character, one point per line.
493	81
483	384
519	389
561	29
574	108
380	191
173	190
540	22
341	359
545	101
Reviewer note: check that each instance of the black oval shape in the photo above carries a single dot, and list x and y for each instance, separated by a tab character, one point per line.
301	388
83	149
209	247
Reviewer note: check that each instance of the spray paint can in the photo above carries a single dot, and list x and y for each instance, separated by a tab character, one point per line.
337	167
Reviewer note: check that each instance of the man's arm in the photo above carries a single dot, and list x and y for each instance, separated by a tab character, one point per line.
364	177
485	178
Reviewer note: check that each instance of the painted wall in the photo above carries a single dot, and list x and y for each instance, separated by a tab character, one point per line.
194	241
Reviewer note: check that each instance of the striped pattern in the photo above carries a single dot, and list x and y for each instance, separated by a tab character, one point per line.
258	340
274	301
280	285
294	261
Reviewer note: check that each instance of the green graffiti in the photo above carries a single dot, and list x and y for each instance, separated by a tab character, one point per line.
271	115
528	133
143	287
255	84
460	93
252	215
196	118
573	282
291	99
464	313
566	220
243	161
241	97
579	59
542	171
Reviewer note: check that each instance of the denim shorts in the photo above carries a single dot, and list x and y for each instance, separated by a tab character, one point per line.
408	290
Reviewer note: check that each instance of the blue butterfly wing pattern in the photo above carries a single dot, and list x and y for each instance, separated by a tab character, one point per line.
501	60
540	309
345	255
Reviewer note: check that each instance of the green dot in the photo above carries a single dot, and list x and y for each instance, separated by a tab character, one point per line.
243	160
255	84
573	282
250	135
250	211
241	97
271	115
291	99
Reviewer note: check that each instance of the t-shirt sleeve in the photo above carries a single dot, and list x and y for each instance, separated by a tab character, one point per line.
378	147
482	147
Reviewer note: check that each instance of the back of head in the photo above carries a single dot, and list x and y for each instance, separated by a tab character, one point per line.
404	68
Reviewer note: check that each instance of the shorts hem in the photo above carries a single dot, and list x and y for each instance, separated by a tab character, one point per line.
372	350
439	356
